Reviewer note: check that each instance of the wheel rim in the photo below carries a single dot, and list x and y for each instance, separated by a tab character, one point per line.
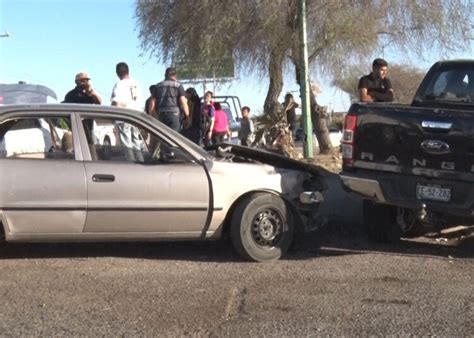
405	220
267	227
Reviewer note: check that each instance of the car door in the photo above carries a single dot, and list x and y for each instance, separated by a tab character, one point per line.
141	184
42	177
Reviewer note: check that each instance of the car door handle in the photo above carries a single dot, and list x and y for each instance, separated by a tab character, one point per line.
103	178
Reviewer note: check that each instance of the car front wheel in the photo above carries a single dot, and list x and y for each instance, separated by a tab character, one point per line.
262	227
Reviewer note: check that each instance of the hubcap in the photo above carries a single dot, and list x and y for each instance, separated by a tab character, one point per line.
267	227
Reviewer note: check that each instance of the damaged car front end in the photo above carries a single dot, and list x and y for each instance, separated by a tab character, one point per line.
300	184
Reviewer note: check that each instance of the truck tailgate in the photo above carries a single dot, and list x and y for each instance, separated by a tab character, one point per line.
431	142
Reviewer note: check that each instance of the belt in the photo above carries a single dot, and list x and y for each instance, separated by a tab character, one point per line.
168	112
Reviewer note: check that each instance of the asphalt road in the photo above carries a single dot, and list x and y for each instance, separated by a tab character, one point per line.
333	282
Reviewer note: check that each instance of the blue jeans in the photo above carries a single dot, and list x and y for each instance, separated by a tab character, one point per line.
170	119
130	140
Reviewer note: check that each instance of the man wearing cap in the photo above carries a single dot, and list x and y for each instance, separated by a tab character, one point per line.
83	93
167	99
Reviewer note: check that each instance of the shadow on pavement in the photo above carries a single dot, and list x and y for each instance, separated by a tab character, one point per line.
218	251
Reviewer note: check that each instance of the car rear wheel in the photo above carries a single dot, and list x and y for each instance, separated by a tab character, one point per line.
262	227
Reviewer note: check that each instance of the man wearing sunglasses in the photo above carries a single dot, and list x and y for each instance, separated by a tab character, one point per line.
83	93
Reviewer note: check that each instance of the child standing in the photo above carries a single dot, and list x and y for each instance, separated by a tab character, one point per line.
221	124
246	128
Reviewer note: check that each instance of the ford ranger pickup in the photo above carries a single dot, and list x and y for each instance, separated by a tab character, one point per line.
414	164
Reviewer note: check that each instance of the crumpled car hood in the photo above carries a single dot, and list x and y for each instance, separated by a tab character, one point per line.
264	156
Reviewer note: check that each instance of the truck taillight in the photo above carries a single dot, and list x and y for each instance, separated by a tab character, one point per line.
350	123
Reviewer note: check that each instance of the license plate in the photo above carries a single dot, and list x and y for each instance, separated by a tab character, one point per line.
433	192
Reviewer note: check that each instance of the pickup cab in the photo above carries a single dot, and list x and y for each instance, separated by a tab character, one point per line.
414	164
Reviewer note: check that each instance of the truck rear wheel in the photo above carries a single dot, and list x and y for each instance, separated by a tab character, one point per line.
381	222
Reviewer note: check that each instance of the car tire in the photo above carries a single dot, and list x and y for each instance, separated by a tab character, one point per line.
262	227
381	222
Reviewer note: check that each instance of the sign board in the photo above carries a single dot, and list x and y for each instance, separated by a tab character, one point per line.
215	69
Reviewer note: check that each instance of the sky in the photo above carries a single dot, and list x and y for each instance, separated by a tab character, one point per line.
52	40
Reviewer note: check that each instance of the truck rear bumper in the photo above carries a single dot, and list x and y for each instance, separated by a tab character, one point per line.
365	187
400	190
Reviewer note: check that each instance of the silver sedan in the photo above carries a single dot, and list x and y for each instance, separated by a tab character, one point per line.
61	180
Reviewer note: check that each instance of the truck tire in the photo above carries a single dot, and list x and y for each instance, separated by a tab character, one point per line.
381	222
262	227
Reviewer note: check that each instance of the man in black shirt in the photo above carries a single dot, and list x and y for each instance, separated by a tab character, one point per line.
83	93
169	99
376	87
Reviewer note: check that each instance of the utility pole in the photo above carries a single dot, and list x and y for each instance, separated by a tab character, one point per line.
304	82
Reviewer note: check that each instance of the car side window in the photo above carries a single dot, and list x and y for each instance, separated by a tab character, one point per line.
126	141
37	137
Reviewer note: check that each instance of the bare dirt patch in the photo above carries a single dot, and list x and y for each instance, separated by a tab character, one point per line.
331	162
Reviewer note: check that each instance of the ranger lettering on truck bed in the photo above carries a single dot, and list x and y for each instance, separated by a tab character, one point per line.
414	164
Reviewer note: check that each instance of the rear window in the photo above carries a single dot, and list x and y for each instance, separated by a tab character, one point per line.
451	84
37	138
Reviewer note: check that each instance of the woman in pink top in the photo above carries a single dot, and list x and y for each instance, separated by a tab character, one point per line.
221	124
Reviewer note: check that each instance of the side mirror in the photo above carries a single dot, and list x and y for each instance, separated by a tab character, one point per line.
170	155
174	154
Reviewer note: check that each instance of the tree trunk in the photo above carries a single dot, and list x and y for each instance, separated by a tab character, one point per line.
317	116
275	70
320	126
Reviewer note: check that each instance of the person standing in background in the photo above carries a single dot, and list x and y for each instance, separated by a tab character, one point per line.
289	106
148	106
376	87
246	128
207	118
169	99
83	92
127	91
193	129
127	94
221	125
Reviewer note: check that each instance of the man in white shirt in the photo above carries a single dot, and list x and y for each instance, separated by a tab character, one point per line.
127	93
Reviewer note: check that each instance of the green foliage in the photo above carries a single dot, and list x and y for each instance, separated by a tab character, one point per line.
339	31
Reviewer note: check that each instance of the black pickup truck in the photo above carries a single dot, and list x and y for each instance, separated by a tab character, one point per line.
414	164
